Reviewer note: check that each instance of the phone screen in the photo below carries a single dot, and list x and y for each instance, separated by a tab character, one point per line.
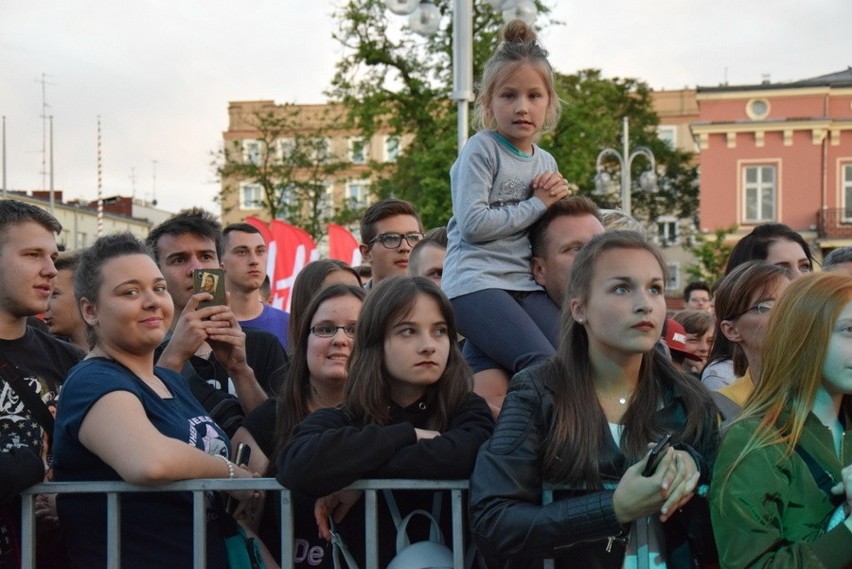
657	454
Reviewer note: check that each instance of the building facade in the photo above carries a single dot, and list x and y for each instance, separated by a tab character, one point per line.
778	152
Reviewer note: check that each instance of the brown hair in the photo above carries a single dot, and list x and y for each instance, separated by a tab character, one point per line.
694	321
519	47
367	391
733	297
382	210
295	390
308	282
573	448
572	206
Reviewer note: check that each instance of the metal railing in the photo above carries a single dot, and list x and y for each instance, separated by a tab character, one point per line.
201	486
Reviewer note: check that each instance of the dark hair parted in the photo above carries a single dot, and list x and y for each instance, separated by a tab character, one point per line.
750	279
694	321
572	206
755	245
575	447
308	282
519	47
367	391
15	212
382	210
89	274
195	220
241	227
295	390
693	286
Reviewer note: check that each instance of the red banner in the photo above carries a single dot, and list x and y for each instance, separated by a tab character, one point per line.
342	245
289	250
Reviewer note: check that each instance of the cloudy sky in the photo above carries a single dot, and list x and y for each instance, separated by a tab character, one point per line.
160	73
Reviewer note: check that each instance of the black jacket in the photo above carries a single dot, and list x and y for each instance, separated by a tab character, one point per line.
512	528
329	451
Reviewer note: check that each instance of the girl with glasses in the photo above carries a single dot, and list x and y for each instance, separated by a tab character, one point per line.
782	483
321	346
408	412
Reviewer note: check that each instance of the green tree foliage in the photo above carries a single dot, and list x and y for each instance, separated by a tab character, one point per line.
711	256
592	112
293	165
391	79
394	80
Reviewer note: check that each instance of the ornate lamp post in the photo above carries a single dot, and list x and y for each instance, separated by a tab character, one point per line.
647	180
424	19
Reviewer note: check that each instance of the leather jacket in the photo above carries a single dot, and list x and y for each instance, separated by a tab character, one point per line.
578	528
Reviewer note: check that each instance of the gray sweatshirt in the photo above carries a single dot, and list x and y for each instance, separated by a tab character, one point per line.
493	207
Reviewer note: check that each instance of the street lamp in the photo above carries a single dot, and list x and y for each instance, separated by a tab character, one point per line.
424	19
647	179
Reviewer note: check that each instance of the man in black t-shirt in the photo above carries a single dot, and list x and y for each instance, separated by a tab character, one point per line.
27	251
249	369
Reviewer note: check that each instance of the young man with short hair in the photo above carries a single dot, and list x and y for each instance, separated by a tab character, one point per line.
390	228
63	315
244	259
245	359
697	296
427	256
27	254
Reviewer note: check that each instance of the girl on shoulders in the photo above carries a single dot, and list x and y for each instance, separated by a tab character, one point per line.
585	419
408	412
501	184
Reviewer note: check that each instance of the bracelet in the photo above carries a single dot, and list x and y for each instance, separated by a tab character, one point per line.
231	472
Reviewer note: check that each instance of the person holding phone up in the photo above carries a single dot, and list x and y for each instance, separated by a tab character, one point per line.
583	422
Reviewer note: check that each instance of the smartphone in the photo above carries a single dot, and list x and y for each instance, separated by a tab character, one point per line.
657	454
212	281
240	456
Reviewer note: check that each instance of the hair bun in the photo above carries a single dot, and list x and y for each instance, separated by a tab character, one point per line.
518	31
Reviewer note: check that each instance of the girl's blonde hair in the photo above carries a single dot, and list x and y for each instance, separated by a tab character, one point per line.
519	47
793	353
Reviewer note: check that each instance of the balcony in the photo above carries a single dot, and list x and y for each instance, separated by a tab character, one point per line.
834	223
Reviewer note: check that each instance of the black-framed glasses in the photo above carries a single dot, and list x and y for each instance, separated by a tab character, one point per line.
329	330
763	307
393	240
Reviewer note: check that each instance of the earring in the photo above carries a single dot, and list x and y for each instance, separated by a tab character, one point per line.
580	321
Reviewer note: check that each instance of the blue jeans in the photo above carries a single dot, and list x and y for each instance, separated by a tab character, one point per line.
512	329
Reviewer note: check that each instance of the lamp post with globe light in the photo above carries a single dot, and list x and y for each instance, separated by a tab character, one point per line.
424	19
647	179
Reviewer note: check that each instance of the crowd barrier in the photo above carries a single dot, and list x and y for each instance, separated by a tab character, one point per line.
201	486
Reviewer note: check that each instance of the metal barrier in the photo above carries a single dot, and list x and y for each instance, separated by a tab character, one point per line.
199	487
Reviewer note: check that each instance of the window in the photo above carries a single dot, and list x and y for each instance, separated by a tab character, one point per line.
320	149
326	208
251	151
251	196
286	147
356	194
358	150
667	134
759	193
391	148
847	192
673	280
757	109
667	231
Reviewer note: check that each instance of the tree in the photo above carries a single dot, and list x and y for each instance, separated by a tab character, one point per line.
401	83
289	159
711	256
592	112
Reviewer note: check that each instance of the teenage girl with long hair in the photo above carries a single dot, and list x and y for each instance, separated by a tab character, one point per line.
783	464
408	412
585	419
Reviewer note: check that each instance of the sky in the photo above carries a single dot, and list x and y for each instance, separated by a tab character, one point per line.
160	74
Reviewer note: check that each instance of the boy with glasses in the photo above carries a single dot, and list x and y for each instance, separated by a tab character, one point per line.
389	230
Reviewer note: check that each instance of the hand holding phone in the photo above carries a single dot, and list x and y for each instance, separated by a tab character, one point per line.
240	456
657	454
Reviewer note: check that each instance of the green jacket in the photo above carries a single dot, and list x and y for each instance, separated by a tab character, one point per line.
771	513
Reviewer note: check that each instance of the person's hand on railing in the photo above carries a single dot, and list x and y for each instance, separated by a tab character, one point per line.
45	509
248	501
336	506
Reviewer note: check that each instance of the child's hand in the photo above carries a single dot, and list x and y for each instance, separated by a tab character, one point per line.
550	187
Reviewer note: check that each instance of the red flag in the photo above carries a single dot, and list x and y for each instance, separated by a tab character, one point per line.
342	245
292	248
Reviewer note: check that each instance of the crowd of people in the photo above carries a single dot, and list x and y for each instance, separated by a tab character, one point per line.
527	347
